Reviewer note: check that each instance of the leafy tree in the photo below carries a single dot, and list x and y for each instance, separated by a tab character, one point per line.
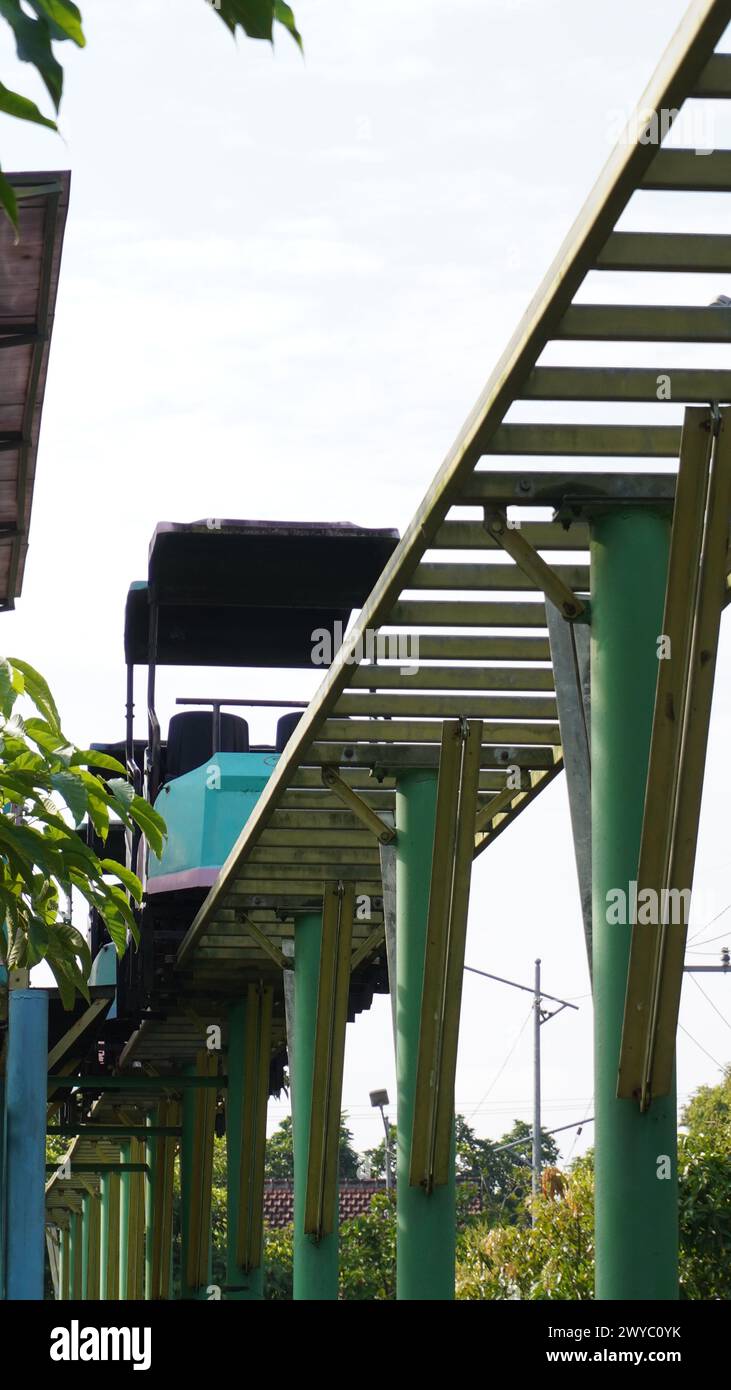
553	1259
502	1174
704	1171
368	1252
48	788
39	24
279	1160
377	1156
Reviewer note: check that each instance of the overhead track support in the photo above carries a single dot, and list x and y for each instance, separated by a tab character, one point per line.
329	1057
454	839
687	649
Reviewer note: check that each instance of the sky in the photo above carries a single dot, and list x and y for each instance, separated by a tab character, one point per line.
284	282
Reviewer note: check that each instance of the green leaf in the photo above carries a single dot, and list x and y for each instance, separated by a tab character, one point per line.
35	685
73	791
7	688
9	202
283	15
33	45
13	104
125	876
256	17
88	757
151	824
99	816
64	19
40	732
122	790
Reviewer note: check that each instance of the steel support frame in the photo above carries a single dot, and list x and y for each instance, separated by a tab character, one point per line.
426	1235
635	1156
249	1055
196	1161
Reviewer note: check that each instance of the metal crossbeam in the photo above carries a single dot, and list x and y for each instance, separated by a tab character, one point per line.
694	600
433	1129
329	1056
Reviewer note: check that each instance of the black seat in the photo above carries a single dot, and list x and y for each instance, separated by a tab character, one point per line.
190	740
285	728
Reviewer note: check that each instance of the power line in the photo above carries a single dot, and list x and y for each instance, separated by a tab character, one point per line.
695	935
700	1045
496	1078
710	1001
708	942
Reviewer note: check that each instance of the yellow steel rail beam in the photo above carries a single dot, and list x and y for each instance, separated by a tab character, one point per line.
250	1227
694	600
449	891
329	1055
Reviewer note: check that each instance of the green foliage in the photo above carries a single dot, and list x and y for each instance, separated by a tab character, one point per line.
278	1262
503	1176
368	1252
377	1157
258	17
704	1172
54	21
553	1259
279	1160
47	788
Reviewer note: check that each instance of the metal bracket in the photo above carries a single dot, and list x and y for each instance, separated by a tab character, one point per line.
531	563
360	808
693	604
454	841
329	1055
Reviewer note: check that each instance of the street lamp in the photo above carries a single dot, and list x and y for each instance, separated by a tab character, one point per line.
379	1100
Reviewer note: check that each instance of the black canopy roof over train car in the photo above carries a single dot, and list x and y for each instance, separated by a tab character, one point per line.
249	593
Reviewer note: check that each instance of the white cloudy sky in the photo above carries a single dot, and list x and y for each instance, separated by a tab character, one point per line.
284	283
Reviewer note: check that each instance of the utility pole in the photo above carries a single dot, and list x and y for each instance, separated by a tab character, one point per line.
536	1164
540	1016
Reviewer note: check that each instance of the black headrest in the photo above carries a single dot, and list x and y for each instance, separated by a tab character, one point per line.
285	728
190	739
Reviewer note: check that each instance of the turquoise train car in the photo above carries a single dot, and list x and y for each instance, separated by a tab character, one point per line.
219	593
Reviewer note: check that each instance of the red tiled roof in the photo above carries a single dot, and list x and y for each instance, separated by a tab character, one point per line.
355	1198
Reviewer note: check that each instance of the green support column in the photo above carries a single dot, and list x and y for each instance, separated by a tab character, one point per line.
125	1192
196	1154
105	1186
243	1284
315	1262
151	1185
636	1206
75	1241
426	1229
85	1235
63	1263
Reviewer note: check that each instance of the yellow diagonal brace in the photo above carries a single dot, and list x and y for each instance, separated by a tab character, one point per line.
359	807
267	946
329	1056
363	951
63	1045
694	599
250	1229
531	563
454	839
